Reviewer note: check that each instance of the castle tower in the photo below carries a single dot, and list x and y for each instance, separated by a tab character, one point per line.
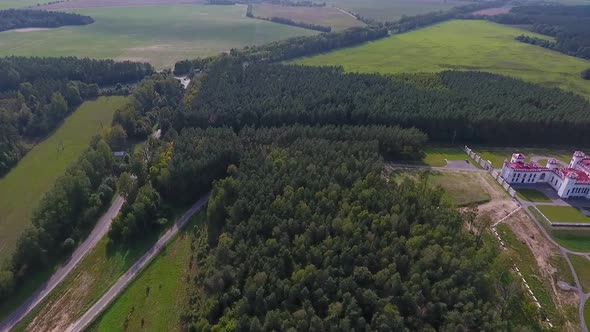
568	183
552	164
578	156
517	158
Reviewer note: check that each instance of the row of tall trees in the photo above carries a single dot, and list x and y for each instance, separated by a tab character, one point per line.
306	235
64	216
291	48
455	106
568	24
27	18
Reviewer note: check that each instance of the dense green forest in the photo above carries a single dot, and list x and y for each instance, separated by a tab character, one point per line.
586	74
27	18
461	106
568	24
36	94
305	234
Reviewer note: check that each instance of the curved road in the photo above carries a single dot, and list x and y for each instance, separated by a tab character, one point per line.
101	228
126	278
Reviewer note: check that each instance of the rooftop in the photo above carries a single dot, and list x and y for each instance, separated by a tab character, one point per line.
530	166
581	177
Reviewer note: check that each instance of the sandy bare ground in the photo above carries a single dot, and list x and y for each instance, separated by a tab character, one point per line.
77	4
29	29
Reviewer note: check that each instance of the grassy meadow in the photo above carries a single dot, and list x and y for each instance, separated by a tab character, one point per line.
565	214
23	187
391	10
160	35
462	45
326	16
5	4
582	267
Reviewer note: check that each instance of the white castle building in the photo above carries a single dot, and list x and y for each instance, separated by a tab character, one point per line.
569	182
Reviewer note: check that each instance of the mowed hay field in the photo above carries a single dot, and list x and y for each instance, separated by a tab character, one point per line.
160	35
462	45
391	10
23	187
326	16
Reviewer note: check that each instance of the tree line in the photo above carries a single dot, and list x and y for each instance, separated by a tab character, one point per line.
64	216
568	24
27	18
38	93
291	48
287	21
586	74
305	234
469	107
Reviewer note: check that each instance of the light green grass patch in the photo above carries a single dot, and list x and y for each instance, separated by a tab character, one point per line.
154	301
532	195
582	267
6	4
462	45
438	156
563	214
23	187
160	35
576	239
497	155
462	188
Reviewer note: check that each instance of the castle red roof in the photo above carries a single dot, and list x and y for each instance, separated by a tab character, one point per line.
527	167
581	177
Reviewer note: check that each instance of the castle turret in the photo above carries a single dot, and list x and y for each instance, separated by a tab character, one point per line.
552	163
517	158
578	156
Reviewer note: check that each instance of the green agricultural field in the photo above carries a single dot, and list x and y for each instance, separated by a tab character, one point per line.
154	301
160	35
532	195
582	267
462	45
565	214
326	16
391	10
5	4
22	188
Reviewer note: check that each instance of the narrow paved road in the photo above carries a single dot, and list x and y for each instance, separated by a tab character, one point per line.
126	278
101	228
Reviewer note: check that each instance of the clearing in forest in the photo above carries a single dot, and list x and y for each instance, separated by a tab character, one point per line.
24	186
462	45
326	16
160	35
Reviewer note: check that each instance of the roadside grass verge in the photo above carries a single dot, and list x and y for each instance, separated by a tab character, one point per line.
582	267
532	195
154	300
24	186
524	259
564	214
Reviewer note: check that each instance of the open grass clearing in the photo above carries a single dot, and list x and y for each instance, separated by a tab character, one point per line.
532	195
497	155
6	4
438	156
160	35
462	45
24	186
326	16
154	301
582	266
391	10
462	188
563	214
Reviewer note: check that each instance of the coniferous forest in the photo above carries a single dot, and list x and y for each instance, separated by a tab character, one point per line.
28	18
464	106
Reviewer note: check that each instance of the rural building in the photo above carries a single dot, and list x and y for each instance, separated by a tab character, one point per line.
569	182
